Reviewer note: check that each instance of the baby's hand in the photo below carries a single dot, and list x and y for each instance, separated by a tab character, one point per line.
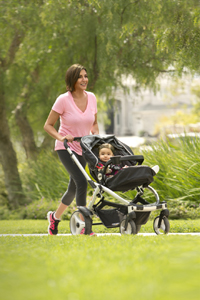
108	170
125	167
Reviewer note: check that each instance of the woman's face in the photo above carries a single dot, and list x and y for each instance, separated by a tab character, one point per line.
82	81
105	154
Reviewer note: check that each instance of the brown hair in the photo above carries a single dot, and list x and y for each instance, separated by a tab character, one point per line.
108	146
72	76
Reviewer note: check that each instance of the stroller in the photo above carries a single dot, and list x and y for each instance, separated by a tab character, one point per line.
130	215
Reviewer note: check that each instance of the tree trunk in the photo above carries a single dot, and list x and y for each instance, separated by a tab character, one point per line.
28	141
8	156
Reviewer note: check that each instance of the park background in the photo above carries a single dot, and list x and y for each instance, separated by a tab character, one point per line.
147	41
140	42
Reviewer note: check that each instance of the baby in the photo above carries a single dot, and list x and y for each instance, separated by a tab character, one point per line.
106	151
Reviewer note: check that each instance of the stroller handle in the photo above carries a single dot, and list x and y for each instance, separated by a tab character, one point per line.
76	139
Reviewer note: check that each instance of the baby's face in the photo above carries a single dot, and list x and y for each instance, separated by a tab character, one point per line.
105	154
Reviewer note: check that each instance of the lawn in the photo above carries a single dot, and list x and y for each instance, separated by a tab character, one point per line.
103	267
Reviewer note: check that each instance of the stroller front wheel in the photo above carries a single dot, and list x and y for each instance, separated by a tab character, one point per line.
131	227
164	226
77	224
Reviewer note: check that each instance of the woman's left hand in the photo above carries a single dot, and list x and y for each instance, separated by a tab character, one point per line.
95	127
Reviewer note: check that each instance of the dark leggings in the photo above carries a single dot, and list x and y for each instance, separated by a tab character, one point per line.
77	183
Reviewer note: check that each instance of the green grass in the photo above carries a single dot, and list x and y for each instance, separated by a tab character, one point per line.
40	226
105	267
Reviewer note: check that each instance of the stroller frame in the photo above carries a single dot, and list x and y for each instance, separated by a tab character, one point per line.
128	215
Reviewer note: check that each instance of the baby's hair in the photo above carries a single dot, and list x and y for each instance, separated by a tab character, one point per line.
108	146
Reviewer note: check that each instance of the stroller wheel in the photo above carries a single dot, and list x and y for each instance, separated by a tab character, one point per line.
164	226
77	224
131	227
138	227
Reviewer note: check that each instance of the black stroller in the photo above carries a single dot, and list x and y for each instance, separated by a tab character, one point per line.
130	215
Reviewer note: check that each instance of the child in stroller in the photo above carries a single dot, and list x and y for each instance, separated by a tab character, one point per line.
128	215
106	151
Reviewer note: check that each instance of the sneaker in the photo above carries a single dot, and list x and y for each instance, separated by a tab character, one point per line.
53	224
156	169
91	234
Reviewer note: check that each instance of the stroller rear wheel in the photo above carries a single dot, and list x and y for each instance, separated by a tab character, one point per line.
77	224
138	227
131	227
164	226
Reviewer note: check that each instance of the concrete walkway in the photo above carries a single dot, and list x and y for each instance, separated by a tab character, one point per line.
98	234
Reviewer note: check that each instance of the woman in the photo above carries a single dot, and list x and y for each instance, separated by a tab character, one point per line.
77	110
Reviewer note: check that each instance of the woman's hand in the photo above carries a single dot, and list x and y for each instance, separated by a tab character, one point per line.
95	127
68	137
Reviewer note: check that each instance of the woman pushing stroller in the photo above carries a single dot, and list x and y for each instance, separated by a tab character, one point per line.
77	110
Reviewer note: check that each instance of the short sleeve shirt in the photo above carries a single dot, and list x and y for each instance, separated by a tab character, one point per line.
72	120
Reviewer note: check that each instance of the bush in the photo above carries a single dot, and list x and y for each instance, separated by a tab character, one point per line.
44	178
177	182
36	210
184	210
179	177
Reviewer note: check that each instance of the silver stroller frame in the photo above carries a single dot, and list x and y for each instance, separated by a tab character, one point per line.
82	218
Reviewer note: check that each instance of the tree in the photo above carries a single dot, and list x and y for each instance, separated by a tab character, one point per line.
8	155
41	39
11	39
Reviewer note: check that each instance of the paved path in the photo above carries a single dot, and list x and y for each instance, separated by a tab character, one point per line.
98	234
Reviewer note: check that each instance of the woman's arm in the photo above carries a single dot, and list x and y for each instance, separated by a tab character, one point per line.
95	127
49	127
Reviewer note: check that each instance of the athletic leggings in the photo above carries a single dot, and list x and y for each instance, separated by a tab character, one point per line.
77	183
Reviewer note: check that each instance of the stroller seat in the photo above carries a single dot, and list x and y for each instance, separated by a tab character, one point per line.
126	178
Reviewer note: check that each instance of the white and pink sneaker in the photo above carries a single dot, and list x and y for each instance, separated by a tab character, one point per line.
53	223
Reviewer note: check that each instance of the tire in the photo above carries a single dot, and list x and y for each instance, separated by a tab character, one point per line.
164	227
138	227
131	228
77	224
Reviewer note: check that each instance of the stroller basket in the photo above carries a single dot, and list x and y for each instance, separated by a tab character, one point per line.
142	217
110	217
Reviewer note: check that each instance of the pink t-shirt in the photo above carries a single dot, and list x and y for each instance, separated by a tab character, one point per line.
72	120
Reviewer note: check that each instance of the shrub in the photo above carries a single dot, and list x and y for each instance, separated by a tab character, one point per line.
44	178
36	210
177	182
179	176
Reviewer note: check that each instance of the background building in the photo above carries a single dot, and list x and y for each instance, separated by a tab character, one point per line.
136	113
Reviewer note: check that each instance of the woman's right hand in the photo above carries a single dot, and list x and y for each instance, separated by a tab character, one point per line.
68	137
